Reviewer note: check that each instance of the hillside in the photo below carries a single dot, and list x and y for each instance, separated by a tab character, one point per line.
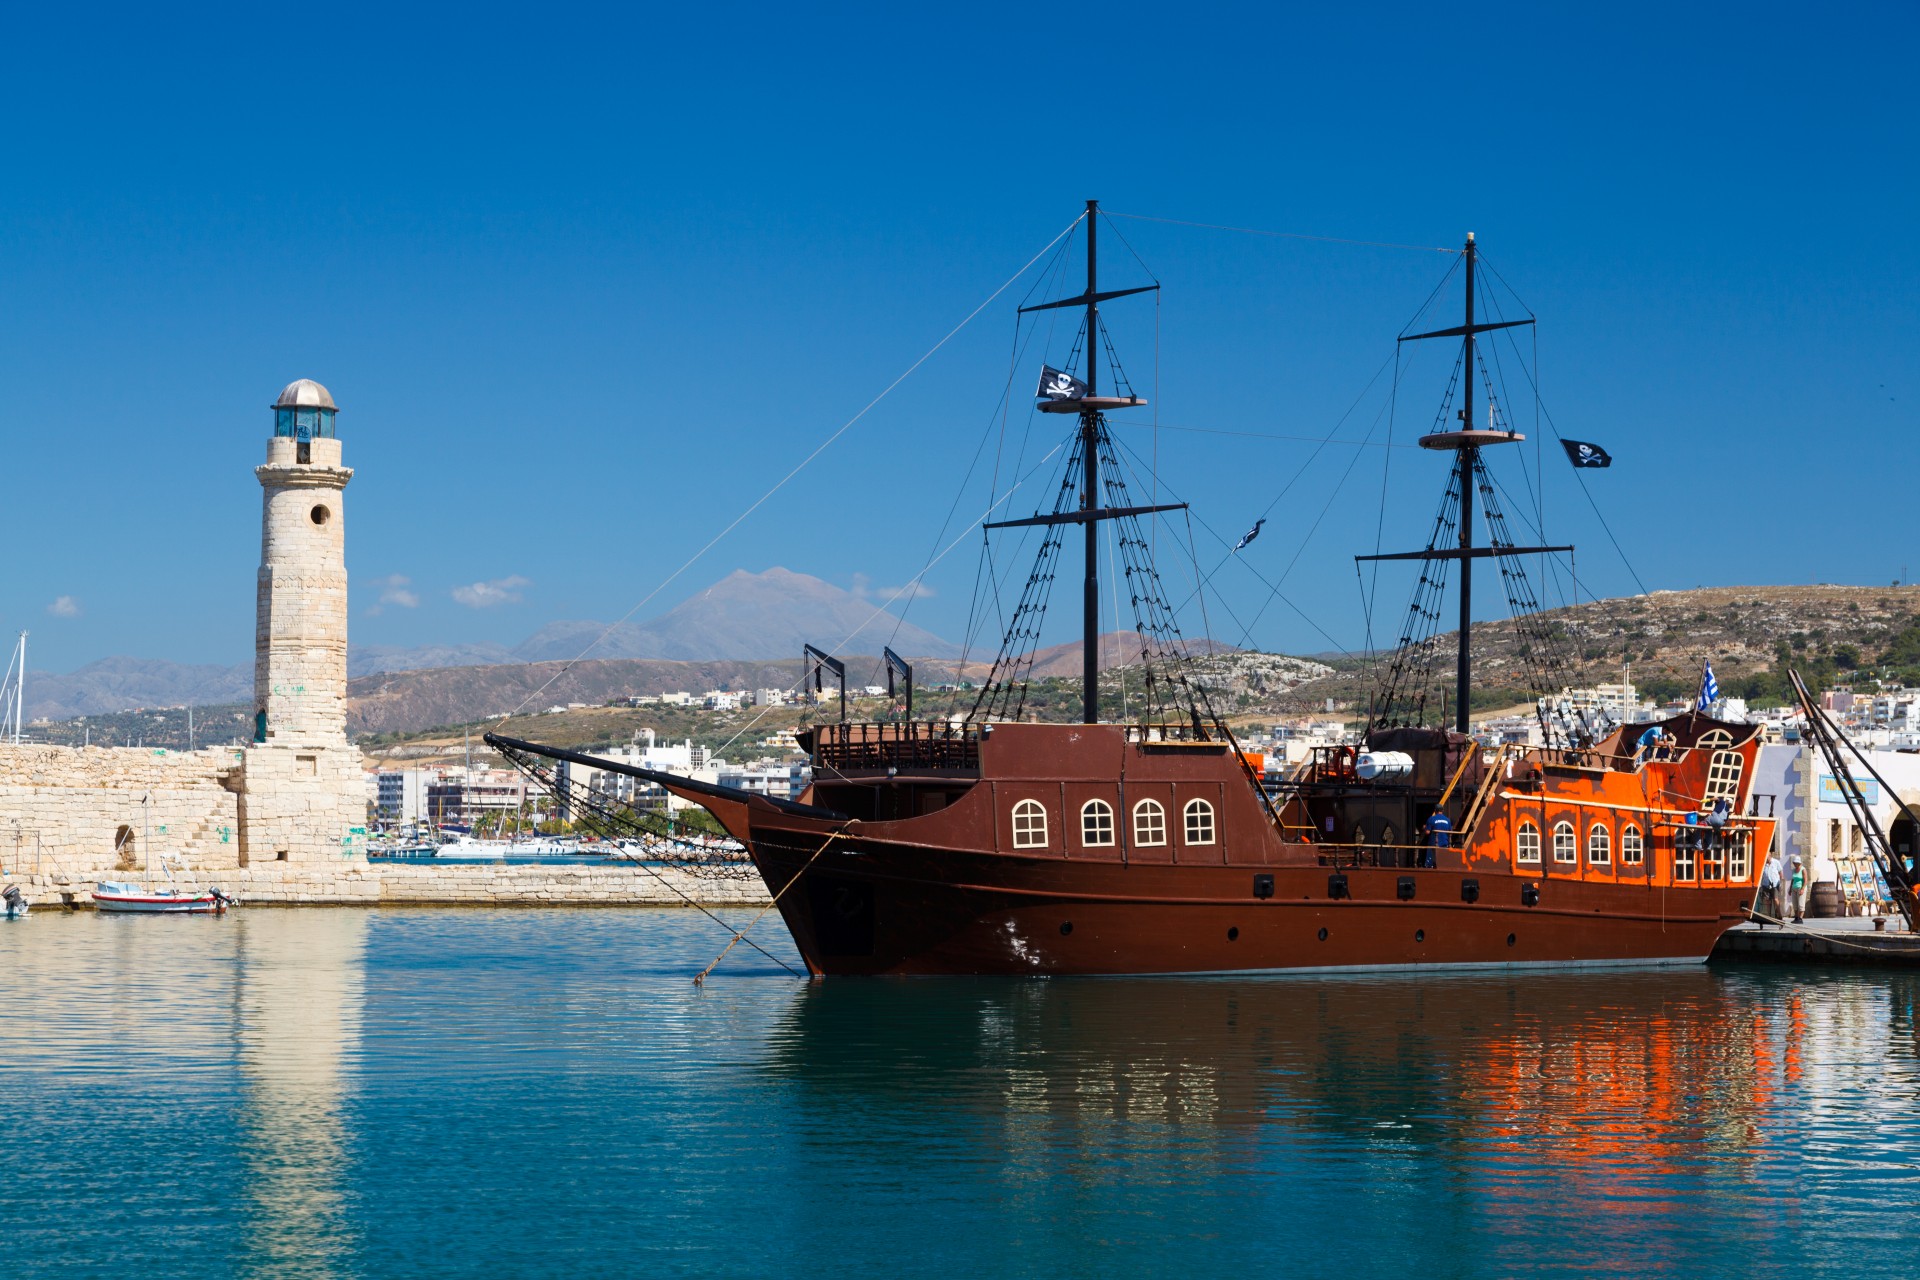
742	617
1832	633
1660	641
411	701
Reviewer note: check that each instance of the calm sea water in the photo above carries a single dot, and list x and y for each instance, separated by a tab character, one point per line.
534	1093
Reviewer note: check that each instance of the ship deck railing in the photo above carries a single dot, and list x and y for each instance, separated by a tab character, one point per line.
904	746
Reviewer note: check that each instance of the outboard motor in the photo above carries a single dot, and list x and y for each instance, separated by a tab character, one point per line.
15	901
224	898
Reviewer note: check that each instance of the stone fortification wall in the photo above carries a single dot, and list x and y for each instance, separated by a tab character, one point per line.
77	811
363	884
302	804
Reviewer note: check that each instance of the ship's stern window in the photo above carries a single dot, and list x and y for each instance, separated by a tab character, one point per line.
1739	855
1029	825
1683	854
1149	823
1526	844
1599	846
1633	849
1096	823
1723	779
1566	847
1199	815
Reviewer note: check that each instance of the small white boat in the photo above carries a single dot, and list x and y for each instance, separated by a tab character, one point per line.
146	899
114	895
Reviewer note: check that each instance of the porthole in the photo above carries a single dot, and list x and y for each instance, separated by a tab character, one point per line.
1509	939
1233	934
1323	935
320	514
1066	927
1419	935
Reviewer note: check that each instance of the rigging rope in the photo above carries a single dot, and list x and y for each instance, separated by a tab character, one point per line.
797	469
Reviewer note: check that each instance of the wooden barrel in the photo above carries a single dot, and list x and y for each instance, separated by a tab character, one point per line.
1826	900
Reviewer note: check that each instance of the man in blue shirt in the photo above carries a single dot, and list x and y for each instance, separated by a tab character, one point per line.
1439	836
1651	742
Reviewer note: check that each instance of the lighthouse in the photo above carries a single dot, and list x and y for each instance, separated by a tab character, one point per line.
303	799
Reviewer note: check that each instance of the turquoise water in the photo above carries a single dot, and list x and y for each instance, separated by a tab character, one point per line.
535	1093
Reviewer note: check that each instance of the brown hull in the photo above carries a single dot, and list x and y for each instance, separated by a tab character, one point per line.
1105	849
904	910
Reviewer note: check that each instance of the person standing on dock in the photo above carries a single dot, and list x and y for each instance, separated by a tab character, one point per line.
1770	890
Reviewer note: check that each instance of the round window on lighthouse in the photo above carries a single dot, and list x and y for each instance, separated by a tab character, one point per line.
321	514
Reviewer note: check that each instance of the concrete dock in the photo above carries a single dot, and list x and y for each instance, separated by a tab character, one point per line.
1844	940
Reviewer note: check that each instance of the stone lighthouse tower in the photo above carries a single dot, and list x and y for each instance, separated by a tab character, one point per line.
303	797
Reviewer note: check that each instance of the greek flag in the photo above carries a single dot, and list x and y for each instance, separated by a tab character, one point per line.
1249	535
1709	687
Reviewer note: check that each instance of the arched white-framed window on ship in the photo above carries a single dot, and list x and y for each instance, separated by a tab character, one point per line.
1526	845
1633	848
1199	821
1599	845
1149	824
1096	824
1566	845
1029	825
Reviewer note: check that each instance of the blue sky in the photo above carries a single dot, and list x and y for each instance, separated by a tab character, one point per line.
586	283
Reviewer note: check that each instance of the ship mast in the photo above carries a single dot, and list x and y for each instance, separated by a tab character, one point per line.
1091	408
1468	475
1466	460
1089	480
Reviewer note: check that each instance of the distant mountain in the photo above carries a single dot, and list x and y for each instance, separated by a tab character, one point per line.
405	701
1116	649
367	660
117	684
745	617
122	684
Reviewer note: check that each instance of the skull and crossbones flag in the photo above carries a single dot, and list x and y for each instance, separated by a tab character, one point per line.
1582	454
1056	384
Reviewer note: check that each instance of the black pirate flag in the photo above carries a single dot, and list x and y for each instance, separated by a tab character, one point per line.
1058	385
1582	454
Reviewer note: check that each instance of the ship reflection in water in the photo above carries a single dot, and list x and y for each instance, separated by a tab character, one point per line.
1620	1121
399	1093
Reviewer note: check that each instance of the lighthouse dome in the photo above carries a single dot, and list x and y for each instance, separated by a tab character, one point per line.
304	411
304	394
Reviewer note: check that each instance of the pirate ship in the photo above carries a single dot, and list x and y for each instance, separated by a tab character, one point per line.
984	843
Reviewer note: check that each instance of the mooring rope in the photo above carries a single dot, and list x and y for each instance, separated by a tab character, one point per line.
699	979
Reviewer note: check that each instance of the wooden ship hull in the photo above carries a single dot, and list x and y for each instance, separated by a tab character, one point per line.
946	891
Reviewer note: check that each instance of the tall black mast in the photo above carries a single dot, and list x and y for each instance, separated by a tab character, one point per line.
1466	443
1468	462
1090	478
1091	407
